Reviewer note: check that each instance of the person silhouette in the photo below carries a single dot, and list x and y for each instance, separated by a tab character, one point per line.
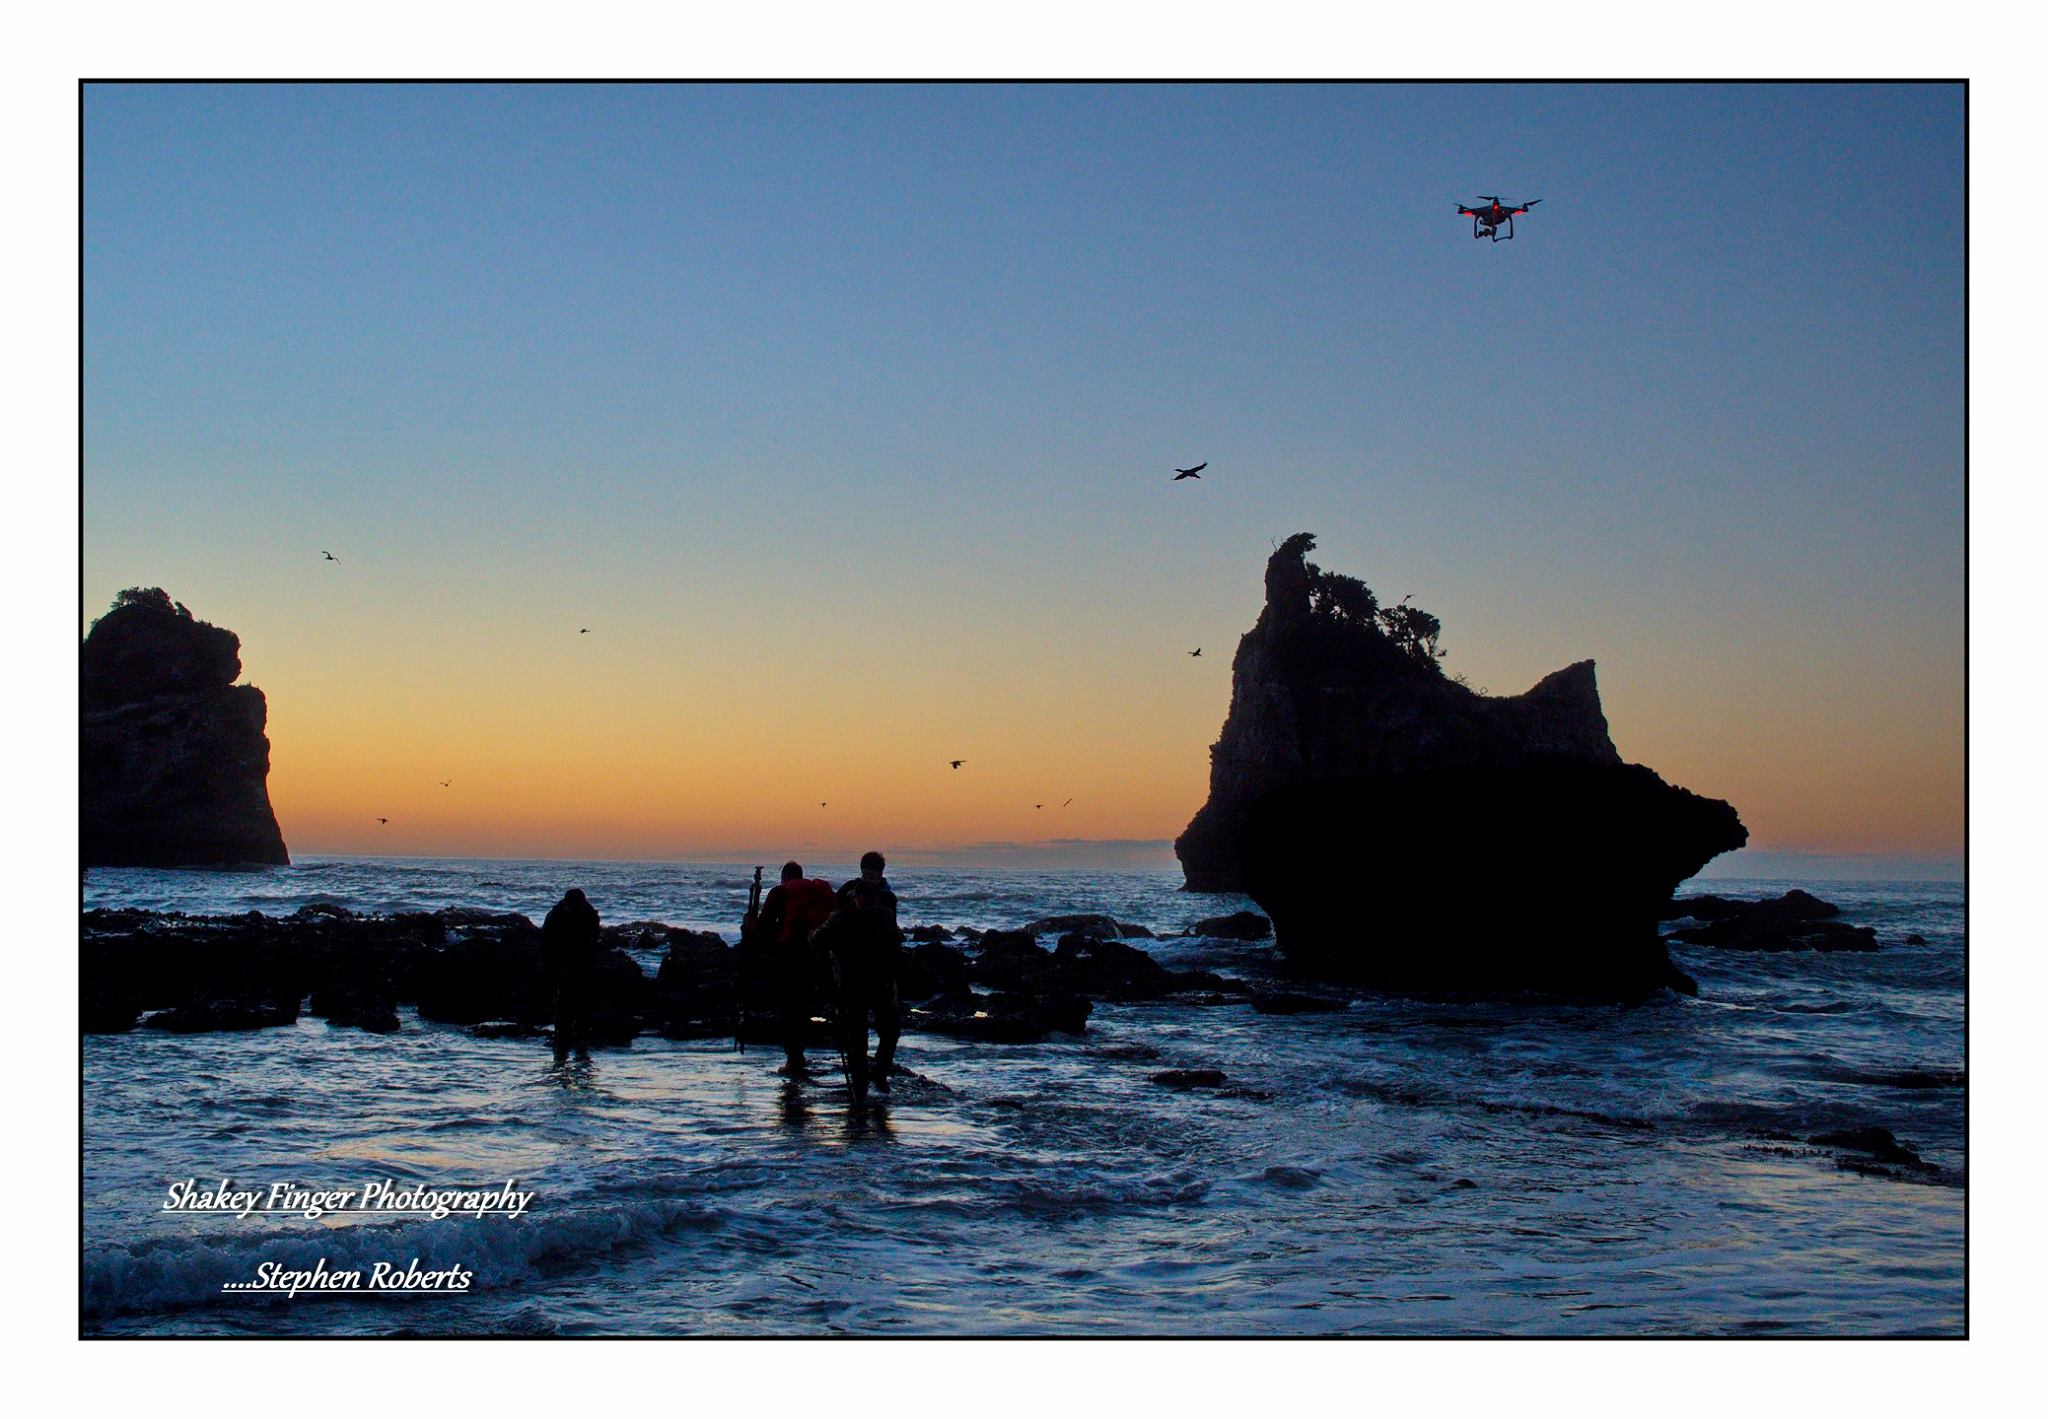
568	954
794	908
864	942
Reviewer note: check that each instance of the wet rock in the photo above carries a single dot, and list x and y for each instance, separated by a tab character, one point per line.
647	936
1795	905
225	1013
1916	1079
696	992
1208	983
1139	1054
1876	1144
929	933
1776	933
1001	1017
1297	1178
500	977
147	961
104	1013
931	968
1797	921
1238	926
354	1007
1064	1011
1189	1078
1094	924
1916	939
1012	960
619	989
478	978
1109	970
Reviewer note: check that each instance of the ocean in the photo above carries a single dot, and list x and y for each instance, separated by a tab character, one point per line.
1400	1167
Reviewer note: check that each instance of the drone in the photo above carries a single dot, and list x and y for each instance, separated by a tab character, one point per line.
1488	220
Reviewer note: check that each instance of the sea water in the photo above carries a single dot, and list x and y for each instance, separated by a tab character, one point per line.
1397	1167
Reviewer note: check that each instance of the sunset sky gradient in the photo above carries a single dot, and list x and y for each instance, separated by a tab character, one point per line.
844	418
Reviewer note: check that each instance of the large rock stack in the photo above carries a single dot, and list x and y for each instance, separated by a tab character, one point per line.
1406	831
174	762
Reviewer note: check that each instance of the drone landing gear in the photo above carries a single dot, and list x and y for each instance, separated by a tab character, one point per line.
1511	231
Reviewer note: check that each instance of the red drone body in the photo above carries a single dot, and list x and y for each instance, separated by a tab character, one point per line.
1488	221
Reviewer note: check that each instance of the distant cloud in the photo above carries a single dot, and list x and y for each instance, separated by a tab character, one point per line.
1098	854
1833	866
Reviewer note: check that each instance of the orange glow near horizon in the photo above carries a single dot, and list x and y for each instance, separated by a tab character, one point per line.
602	751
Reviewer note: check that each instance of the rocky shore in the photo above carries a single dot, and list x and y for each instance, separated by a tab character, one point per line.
191	974
185	974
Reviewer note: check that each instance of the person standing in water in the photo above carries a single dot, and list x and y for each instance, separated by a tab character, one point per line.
864	941
795	908
568	953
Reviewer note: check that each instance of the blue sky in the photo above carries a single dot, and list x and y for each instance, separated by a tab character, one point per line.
927	351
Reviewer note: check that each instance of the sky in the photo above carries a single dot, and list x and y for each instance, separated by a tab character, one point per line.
843	417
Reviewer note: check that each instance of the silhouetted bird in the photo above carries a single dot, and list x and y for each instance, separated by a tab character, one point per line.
329	555
1194	472
956	763
1065	804
1038	805
1196	651
584	632
383	820
446	781
821	803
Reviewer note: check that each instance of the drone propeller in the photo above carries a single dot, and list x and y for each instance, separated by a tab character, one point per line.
1531	203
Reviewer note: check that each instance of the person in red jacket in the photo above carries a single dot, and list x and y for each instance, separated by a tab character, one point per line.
794	909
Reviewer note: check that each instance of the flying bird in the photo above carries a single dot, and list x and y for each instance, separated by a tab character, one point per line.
584	632
1065	804
446	781
956	763
383	820
1038	805
329	555
1194	472
1196	651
